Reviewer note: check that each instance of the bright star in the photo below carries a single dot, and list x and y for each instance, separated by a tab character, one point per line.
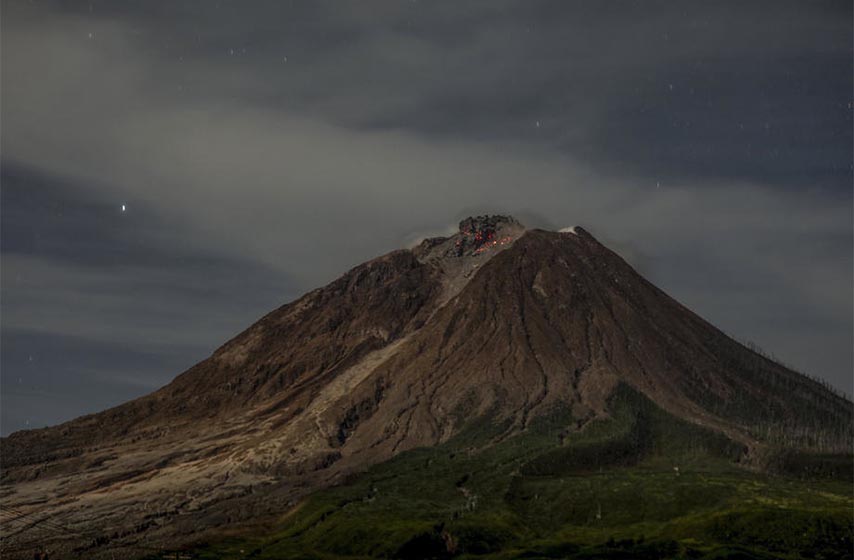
124	208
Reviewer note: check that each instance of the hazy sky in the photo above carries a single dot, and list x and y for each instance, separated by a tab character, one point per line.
260	149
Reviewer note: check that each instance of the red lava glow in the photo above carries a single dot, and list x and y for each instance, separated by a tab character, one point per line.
485	246
483	240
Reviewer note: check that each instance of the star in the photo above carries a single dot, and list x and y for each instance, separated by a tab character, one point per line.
124	208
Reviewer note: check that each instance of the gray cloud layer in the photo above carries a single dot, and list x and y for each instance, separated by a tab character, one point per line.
261	150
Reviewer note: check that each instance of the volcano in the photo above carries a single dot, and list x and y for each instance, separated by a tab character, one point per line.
463	346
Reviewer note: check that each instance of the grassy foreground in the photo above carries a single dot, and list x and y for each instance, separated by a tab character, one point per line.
640	485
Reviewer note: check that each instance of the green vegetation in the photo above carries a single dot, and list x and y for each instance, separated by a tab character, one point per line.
642	484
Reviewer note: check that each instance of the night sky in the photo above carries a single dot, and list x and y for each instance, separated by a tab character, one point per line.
171	171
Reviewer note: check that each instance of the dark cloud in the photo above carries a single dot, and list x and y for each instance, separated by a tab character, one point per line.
784	121
263	148
48	378
100	305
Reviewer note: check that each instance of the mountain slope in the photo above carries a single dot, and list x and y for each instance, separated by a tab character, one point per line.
639	484
409	350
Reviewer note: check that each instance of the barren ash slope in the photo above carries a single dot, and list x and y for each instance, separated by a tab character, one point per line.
511	334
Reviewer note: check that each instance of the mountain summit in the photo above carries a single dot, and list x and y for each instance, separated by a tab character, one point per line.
496	325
